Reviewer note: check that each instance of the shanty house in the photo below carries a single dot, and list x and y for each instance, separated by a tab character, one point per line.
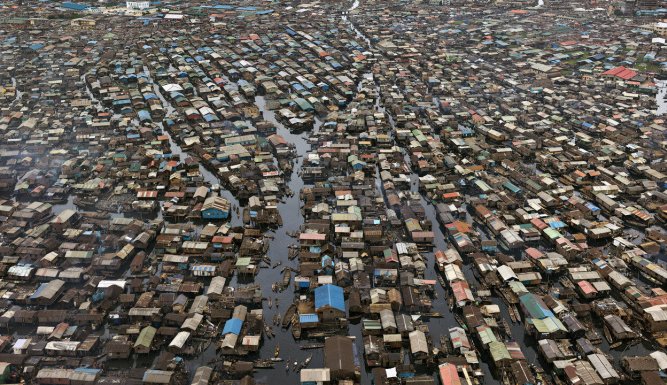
339	357
330	302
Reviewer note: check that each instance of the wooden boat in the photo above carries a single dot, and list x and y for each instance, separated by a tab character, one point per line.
305	363
506	328
277	264
268	331
514	314
315	345
432	315
263	364
608	336
296	328
616	345
460	321
270	303
276	352
287	277
289	314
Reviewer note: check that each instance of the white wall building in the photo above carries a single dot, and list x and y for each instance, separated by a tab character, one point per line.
137	4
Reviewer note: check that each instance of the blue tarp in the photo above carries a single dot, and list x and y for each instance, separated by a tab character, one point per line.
329	295
233	325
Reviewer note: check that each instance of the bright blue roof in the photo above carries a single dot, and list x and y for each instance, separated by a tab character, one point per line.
75	6
308	318
233	325
557	224
329	295
592	207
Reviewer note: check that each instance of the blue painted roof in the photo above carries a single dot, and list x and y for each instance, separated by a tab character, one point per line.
87	370
308	318
75	6
39	290
329	295
535	306
592	207
233	325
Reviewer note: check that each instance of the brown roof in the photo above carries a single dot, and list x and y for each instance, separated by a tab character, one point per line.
338	354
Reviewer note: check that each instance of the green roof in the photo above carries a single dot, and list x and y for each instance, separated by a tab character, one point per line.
486	335
499	351
552	233
146	336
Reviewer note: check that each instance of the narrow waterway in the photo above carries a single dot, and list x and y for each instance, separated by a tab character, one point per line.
290	211
437	326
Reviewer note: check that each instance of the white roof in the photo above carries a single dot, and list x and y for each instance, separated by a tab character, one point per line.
661	357
315	375
180	340
506	273
108	283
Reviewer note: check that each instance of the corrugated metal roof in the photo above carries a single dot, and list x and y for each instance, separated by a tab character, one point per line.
449	375
157	376
329	295
308	318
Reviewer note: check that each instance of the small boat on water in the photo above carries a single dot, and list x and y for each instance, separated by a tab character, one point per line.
432	315
287	277
270	303
276	352
305	363
289	313
263	364
296	328
316	345
268	331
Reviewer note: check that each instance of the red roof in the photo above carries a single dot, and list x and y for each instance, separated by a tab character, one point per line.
312	237
586	287
449	375
621	72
